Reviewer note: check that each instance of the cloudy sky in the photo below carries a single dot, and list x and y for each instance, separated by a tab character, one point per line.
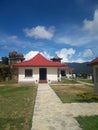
68	28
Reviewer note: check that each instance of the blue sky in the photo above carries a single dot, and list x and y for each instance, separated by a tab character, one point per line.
68	28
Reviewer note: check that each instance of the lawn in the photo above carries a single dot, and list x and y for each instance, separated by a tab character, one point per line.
68	81
85	80
16	106
69	93
8	82
88	123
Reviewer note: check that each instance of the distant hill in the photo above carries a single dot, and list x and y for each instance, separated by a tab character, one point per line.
80	68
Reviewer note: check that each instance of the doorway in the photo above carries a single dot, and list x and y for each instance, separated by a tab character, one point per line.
42	74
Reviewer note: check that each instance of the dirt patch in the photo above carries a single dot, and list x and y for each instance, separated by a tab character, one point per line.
1	85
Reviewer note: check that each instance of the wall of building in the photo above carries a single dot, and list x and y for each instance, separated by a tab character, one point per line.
95	73
22	78
52	74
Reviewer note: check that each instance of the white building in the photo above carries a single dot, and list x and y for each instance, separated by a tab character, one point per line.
38	69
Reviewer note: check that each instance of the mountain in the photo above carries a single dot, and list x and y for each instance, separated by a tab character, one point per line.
80	68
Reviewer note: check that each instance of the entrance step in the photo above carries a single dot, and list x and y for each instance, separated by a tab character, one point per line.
43	81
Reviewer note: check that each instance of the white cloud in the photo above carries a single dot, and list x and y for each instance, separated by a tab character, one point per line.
13	37
73	40
65	54
30	55
87	53
47	55
92	25
80	35
13	42
79	60
40	32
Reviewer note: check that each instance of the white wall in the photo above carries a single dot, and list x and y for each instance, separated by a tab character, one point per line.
34	78
51	74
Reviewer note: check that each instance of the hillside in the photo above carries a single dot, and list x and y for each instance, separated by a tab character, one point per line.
81	68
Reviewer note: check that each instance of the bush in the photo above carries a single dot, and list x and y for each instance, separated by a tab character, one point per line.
7	73
88	97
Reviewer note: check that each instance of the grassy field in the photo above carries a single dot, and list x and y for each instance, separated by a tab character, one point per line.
85	80
8	82
68	81
88	123
68	93
16	106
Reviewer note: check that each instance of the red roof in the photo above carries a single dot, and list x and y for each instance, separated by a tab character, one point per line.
39	61
94	62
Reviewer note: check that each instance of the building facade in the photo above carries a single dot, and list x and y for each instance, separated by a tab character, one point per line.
39	69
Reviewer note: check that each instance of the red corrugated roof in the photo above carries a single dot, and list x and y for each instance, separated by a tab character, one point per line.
39	61
93	62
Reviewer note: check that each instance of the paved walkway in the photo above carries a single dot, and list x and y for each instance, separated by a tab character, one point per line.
51	114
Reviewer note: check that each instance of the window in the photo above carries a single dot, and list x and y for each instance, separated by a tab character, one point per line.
28	72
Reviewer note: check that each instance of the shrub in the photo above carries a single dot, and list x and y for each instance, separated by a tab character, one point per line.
88	97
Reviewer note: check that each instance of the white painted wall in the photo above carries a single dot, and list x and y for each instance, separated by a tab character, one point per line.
34	78
51	74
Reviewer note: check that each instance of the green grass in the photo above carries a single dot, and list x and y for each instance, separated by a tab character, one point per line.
85	80
8	82
16	106
68	81
88	123
69	93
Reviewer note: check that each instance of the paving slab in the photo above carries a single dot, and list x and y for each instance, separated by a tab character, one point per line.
81	109
49	113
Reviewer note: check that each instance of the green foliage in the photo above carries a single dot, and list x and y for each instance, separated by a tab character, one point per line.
87	97
88	123
7	73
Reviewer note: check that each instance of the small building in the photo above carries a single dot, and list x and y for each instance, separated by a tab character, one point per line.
94	64
65	70
15	57
38	69
56	59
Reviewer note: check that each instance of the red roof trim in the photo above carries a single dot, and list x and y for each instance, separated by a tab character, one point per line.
38	61
94	62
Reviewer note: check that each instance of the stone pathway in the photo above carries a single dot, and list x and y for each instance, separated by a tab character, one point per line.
81	109
50	113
